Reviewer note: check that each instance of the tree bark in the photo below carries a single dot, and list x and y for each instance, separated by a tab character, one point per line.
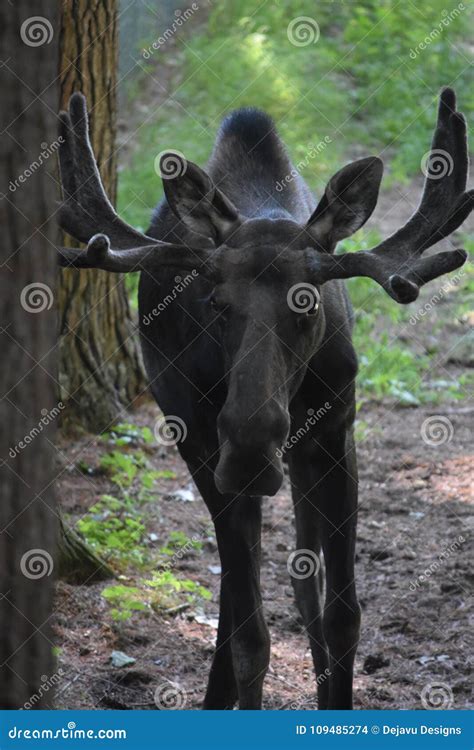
28	376
77	563
101	369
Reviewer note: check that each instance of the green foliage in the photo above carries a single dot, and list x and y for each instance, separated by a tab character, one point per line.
180	542
115	530
164	591
124	601
128	434
363	83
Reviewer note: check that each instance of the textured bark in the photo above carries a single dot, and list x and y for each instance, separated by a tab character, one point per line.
100	366
77	563
28	377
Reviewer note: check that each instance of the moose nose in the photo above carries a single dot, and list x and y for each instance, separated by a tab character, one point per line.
249	462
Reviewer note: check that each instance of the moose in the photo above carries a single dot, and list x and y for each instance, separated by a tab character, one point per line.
262	336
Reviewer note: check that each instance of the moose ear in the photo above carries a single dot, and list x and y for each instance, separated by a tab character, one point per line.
195	200
348	201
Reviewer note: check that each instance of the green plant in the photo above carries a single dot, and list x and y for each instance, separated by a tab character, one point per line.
162	592
124	601
178	541
115	530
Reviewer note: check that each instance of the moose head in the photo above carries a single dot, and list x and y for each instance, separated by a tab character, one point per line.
268	278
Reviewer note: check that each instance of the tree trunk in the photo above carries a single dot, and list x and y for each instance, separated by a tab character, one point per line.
28	376
100	365
77	563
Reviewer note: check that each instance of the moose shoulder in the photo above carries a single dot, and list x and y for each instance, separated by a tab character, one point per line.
256	357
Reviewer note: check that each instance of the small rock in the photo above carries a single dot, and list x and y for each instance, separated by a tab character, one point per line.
120	659
212	622
216	570
185	496
373	662
379	554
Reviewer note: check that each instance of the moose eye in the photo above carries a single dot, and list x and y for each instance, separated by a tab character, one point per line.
214	303
314	310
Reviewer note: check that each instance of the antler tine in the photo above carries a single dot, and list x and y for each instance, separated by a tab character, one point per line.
86	208
396	263
99	254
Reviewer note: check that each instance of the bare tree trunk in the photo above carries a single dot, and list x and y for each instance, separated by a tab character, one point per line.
100	366
28	376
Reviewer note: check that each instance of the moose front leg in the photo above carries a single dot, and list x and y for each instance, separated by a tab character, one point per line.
238	530
324	479
243	645
337	487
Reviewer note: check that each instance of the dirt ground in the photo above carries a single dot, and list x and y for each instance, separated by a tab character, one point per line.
416	632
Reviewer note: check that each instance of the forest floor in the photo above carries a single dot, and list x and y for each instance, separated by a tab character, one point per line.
414	517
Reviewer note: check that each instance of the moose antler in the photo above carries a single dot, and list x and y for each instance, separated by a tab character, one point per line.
86	210
396	263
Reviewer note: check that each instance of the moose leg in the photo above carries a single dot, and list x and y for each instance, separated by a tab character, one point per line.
243	644
238	529
309	588
337	488
221	690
